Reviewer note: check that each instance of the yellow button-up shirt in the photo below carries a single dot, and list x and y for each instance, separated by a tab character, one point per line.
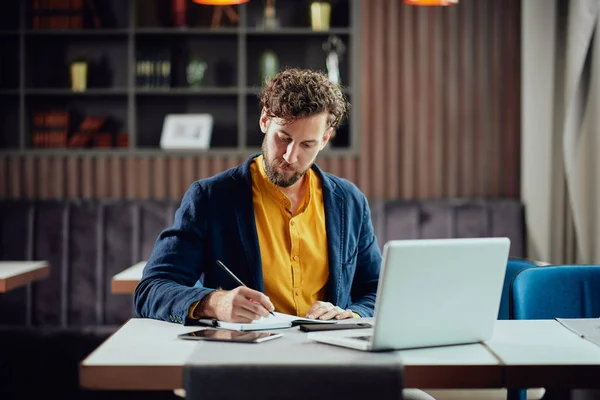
293	247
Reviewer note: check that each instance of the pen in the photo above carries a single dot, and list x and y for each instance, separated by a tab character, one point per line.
235	278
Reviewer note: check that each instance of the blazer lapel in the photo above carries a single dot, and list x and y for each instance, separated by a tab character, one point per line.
246	222
334	223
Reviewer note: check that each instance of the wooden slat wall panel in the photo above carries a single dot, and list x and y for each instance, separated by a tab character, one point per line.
57	178
31	178
73	174
88	185
144	180
439	117
495	85
116	173
175	178
159	179
45	179
190	172
366	90
408	103
203	168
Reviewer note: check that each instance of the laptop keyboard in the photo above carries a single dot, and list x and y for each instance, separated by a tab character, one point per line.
366	338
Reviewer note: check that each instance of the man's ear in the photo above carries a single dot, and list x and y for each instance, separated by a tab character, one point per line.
264	120
326	137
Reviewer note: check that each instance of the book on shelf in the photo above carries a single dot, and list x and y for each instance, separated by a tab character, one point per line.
50	129
72	14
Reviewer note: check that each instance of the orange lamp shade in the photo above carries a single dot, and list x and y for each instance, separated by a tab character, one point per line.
431	2
220	2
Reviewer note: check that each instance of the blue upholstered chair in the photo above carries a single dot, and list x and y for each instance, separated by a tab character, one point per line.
514	266
556	291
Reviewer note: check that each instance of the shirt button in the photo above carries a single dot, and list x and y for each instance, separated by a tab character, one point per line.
292	223
296	258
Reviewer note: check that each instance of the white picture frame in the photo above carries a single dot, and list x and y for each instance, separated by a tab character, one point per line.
186	131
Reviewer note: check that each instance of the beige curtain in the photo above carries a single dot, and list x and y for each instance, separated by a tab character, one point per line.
561	129
581	127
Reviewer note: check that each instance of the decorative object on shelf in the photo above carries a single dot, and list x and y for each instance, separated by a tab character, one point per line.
90	127
122	140
153	69
218	14
194	72
335	48
269	20
79	75
431	2
179	13
223	6
320	15
269	65
186	131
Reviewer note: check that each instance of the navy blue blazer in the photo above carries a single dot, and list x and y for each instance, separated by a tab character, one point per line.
215	221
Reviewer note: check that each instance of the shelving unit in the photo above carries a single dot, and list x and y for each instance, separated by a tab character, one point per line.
34	71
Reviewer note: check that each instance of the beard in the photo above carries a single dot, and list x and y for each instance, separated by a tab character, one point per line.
281	179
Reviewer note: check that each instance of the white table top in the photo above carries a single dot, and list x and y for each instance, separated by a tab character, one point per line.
14	274
544	352
146	354
126	280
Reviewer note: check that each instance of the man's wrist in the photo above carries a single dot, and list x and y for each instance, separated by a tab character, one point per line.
204	309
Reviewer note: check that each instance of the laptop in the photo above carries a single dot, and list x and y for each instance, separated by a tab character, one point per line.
432	292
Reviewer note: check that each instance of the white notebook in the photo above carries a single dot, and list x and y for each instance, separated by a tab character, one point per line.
278	321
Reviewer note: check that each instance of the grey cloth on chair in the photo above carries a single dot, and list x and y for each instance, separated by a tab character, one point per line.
292	368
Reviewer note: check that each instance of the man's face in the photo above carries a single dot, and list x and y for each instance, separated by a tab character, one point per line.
290	150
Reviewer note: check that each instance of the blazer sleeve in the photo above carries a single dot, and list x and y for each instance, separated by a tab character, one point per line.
368	264
170	281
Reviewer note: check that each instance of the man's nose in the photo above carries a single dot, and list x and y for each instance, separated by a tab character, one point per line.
291	153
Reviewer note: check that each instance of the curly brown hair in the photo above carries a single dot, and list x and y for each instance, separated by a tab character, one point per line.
298	93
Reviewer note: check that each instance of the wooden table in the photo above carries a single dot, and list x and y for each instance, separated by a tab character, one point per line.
127	280
14	274
145	354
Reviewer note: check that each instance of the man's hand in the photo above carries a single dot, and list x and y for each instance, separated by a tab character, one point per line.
241	304
323	310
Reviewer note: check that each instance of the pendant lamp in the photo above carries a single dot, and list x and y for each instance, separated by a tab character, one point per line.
220	2
431	2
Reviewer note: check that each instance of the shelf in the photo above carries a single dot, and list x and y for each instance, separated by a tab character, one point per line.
241	30
254	90
77	32
297	31
127	152
186	31
69	92
202	91
215	152
134	30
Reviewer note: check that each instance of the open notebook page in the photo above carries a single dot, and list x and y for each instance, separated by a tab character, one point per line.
278	321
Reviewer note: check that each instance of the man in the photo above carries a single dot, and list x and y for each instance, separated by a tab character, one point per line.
299	238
